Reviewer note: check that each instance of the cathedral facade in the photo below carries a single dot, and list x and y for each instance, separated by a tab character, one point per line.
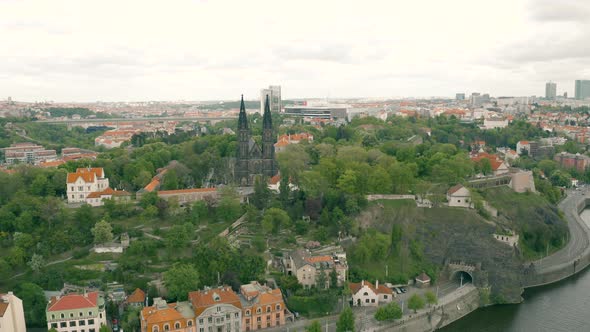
253	160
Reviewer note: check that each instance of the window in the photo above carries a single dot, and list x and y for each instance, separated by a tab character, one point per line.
166	327
372	300
210	320
155	328
100	315
259	310
89	313
385	297
259	319
72	188
247	312
278	307
81	314
268	318
72	323
63	324
52	316
200	320
218	309
80	188
177	325
267	308
366	294
82	323
227	316
237	315
367	301
54	325
91	322
62	316
92	330
247	320
189	323
278	315
201	329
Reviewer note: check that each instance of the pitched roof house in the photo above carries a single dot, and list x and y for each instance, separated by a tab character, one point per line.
459	196
67	312
366	294
162	316
217	307
262	307
85	181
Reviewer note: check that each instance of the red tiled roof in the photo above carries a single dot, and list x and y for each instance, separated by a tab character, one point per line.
152	185
153	315
202	300
138	296
73	301
3	306
355	287
317	259
87	174
454	189
275	179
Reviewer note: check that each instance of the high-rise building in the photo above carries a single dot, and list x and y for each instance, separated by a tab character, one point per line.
550	90
582	89
274	94
460	96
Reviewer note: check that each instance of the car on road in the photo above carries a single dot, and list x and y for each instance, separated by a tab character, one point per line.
397	290
403	289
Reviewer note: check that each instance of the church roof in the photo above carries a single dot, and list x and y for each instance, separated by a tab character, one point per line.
266	118
242	120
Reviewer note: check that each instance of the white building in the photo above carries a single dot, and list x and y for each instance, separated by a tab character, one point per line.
218	309
459	196
85	181
523	145
12	316
495	122
364	294
76	312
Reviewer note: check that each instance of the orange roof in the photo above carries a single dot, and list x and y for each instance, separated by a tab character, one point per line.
186	191
87	174
138	296
272	296
355	287
495	161
52	163
154	315
73	301
152	185
202	300
454	189
3	306
281	143
317	259
275	179
523	142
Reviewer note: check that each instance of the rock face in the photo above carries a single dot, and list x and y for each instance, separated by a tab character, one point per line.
457	235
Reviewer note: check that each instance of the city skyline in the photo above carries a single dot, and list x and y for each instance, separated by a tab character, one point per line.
217	50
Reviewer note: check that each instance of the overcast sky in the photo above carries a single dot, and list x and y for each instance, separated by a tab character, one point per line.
109	50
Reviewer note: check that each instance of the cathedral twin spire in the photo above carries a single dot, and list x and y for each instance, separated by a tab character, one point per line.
266	118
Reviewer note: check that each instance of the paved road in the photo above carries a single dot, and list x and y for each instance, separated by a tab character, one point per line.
578	236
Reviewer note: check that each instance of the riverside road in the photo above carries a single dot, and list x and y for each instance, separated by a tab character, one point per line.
579	234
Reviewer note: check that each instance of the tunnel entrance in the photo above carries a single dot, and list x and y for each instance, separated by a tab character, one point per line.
462	278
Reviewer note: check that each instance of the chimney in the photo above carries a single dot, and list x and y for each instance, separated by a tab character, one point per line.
376	284
363	283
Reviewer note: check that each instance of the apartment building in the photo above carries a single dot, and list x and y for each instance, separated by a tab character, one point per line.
76	312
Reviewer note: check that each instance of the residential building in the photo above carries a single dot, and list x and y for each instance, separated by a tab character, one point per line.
582	89
28	153
97	198
460	96
550	90
162	316
459	196
217	309
284	140
76	312
12	315
576	161
136	299
493	122
85	181
498	165
307	267
188	196
274	94
365	294
262	307
523	147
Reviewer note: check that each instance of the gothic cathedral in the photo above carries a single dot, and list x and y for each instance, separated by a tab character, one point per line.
251	160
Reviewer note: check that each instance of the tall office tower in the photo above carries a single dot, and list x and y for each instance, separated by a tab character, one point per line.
274	94
550	90
582	89
460	96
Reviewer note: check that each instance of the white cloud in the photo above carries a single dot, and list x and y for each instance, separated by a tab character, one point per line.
208	49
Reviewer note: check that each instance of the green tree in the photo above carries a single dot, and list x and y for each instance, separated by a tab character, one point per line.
322	280
315	326
5	269
416	302
347	182
103	232
180	279
34	303
274	219
104	328
345	321
388	312
52	330
261	196
36	263
430	298
179	236
333	278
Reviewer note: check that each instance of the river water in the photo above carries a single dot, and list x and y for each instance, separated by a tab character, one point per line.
563	306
